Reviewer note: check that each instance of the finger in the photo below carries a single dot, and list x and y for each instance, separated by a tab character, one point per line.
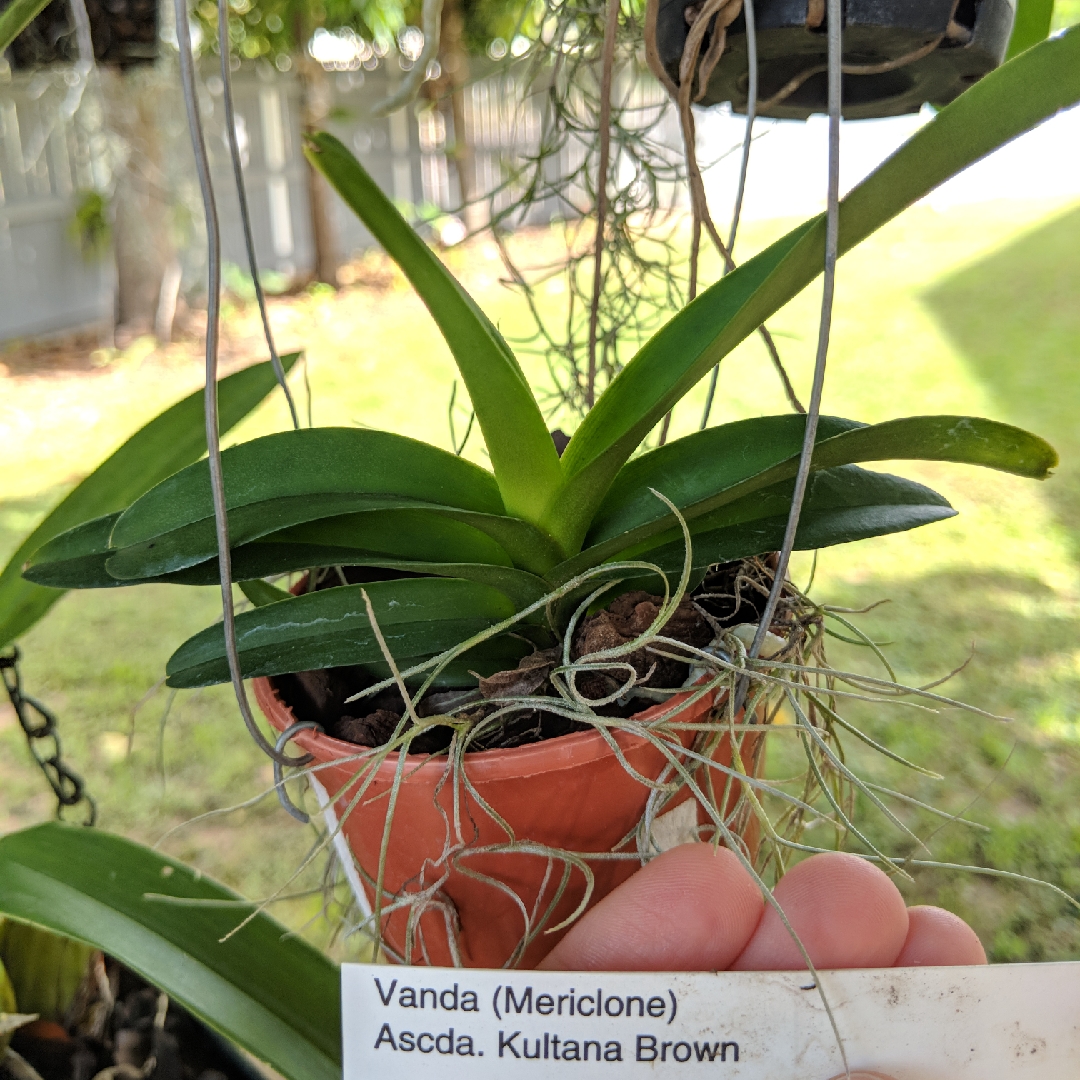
938	938
691	909
846	912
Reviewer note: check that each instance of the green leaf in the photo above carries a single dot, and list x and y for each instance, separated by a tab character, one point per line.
261	593
264	988
422	535
81	558
295	477
967	440
704	470
522	453
1006	103
16	17
265	558
78	559
168	442
515	540
523	588
418	617
75	559
719	465
306	464
1032	25
842	504
191	546
10	1019
45	968
402	534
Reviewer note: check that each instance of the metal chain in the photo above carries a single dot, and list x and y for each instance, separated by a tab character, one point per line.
39	727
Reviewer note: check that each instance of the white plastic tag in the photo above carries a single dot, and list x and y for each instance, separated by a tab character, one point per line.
1015	1021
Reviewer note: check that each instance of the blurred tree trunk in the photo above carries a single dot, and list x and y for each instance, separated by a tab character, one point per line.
315	107
454	58
143	239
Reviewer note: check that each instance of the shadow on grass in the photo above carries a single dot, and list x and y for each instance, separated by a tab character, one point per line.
1015	316
1022	779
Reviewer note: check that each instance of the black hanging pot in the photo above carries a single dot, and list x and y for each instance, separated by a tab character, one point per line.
124	33
898	54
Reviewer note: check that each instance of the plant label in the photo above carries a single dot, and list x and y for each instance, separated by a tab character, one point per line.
1014	1021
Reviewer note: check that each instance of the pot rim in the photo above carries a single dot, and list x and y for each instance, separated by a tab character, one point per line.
550	755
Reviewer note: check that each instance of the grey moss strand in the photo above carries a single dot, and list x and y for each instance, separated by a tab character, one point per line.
241	194
744	164
832	233
213	442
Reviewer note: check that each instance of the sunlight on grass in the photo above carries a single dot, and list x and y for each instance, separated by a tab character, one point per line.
974	311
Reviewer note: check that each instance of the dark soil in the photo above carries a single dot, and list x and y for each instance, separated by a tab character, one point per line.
120	1023
731	593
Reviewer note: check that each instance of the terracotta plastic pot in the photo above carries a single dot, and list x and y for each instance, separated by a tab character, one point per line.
570	793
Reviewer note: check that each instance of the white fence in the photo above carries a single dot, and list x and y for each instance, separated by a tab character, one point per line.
50	148
50	151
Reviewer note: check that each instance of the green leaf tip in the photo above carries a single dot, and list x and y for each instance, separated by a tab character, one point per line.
170	441
522	453
263	988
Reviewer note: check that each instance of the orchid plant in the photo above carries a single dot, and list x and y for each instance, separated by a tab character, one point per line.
479	546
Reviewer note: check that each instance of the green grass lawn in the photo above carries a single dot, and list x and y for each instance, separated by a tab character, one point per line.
974	311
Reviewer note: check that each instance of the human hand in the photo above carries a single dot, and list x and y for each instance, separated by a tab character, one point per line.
696	909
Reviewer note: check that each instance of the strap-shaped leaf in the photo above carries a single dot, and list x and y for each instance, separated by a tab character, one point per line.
522	453
1003	105
83	559
79	558
417	533
418	617
170	441
842	504
405	533
967	440
261	593
1032	25
16	17
306	463
264	988
266	558
704	470
292	477
75	559
711	468
170	554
